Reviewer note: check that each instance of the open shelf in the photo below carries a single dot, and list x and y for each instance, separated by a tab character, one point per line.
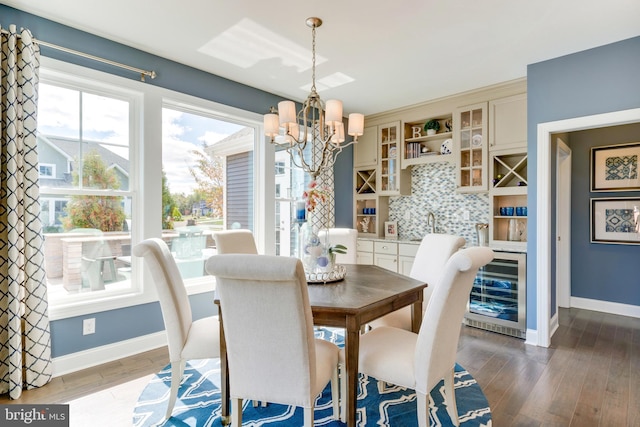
419	148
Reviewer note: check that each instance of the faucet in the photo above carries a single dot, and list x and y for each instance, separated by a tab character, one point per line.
431	222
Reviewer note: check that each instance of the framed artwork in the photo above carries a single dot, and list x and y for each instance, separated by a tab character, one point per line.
391	230
615	167
615	220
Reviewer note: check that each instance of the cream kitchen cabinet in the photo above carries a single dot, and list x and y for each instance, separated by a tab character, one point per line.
471	147
393	255
393	180
508	123
364	253
365	151
385	255
406	255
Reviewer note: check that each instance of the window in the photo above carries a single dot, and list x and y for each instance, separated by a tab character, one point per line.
47	170
84	140
208	182
94	159
290	184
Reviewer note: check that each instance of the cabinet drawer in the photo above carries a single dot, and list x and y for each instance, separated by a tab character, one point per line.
386	248
407	249
364	246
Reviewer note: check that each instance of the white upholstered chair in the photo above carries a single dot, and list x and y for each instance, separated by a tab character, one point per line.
343	236
433	253
420	361
272	353
239	241
187	339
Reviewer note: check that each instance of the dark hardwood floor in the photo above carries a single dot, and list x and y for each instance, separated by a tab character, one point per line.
590	376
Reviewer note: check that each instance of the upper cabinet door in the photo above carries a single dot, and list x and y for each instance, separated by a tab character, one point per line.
508	122
392	180
365	151
471	147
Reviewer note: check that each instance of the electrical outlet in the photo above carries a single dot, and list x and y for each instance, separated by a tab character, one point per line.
465	215
407	216
89	326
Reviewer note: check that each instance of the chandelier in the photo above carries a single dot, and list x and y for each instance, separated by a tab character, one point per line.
315	147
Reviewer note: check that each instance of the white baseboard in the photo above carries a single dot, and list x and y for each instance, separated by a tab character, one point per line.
107	353
532	337
606	307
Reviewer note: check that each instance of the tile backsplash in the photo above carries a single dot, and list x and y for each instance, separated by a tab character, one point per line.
433	189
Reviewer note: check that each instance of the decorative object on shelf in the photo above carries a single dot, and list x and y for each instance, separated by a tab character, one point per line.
521	211
324	130
391	230
448	125
416	131
615	167
365	224
432	127
446	146
482	234
614	220
515	230
476	141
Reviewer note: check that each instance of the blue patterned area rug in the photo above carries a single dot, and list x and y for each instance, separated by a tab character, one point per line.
379	403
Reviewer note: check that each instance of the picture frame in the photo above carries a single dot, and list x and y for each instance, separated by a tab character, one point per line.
391	229
615	167
615	220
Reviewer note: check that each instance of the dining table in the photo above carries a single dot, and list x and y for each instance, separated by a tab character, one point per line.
367	292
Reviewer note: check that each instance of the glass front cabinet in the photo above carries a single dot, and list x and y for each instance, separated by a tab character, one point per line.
471	147
498	298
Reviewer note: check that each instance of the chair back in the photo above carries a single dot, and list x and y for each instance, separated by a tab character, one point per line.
268	327
235	242
433	253
438	337
174	302
343	236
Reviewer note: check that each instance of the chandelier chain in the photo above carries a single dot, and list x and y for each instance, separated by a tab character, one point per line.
313	59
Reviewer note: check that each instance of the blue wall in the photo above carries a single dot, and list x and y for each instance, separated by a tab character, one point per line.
595	81
130	322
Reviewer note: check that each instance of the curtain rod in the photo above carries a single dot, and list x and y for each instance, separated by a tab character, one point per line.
142	72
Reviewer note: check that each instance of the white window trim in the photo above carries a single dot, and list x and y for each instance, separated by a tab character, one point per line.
149	198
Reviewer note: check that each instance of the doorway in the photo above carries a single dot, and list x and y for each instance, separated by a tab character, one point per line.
544	241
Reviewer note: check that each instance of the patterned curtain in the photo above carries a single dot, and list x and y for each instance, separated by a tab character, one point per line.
25	345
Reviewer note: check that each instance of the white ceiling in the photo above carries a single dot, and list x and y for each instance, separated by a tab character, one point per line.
387	54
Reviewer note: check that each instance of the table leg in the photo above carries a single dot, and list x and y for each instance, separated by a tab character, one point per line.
416	315
351	345
224	376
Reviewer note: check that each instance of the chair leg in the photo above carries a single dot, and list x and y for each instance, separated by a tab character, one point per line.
177	369
308	416
343	394
335	394
450	398
423	409
236	412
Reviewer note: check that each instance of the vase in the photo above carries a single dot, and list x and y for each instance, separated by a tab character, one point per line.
315	252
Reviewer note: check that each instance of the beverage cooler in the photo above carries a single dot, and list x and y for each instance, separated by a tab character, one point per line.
498	298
